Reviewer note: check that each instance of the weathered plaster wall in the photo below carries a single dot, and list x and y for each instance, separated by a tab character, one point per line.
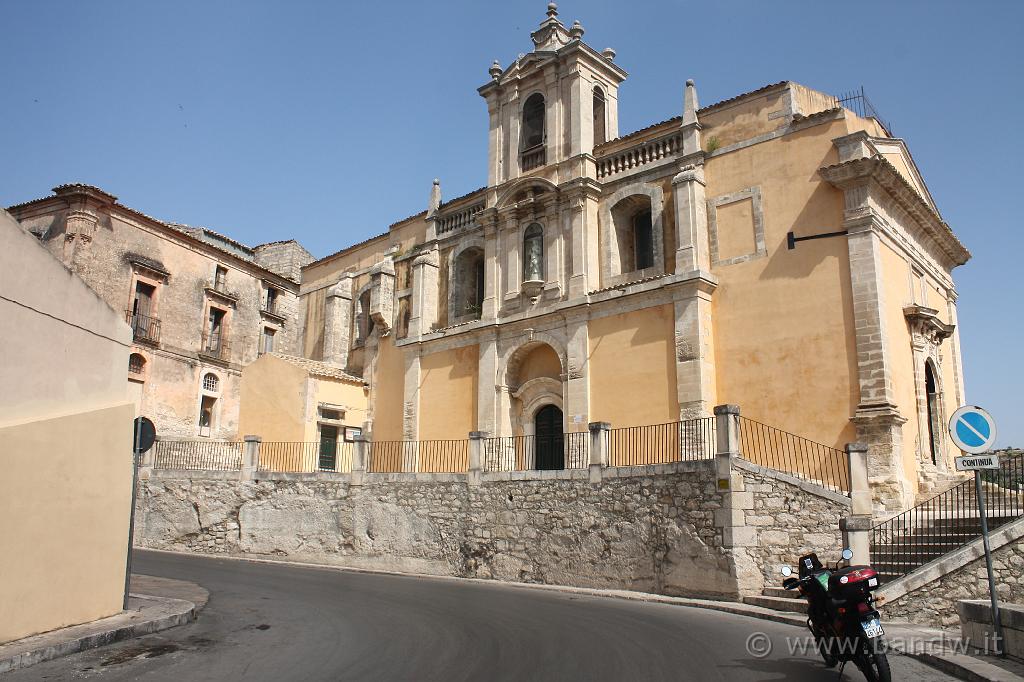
273	398
632	368
784	319
448	391
389	396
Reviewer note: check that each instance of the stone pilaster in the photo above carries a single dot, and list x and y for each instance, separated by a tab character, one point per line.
338	322
382	295
487	382
424	293
576	382
692	250
585	256
694	348
411	397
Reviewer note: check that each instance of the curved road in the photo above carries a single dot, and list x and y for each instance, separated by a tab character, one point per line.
279	622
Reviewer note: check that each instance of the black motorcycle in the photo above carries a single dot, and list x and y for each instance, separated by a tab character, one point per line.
841	613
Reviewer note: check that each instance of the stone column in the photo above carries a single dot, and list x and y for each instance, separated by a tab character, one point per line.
476	456
146	464
857	527
694	348
359	460
250	458
599	455
338	322
424	293
411	397
582	132
731	517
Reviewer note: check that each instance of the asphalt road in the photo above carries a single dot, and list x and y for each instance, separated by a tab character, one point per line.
280	622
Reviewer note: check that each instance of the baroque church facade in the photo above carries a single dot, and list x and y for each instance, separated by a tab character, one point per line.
775	250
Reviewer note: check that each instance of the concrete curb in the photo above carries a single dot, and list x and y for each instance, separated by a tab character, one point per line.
146	614
958	665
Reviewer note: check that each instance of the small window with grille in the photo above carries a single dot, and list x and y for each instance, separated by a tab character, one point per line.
211	383
136	364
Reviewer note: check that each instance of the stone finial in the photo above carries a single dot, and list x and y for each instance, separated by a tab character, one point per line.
691	127
577	30
690	103
609	54
552	10
435	198
495	70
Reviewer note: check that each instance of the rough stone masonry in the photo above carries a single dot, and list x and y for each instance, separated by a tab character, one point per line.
643	528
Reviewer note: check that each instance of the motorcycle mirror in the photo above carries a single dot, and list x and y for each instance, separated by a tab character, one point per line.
847	554
787	571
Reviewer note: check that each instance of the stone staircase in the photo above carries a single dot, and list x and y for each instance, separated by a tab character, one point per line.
779	599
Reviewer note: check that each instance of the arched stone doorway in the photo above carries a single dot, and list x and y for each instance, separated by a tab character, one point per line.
534	377
932	410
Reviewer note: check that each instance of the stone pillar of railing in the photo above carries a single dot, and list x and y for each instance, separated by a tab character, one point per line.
250	457
476	456
146	461
857	527
360	446
599	445
736	501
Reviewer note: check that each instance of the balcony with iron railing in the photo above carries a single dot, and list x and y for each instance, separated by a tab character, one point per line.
215	347
531	158
145	329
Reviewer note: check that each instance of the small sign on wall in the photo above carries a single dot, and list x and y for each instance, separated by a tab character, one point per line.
577	419
352	432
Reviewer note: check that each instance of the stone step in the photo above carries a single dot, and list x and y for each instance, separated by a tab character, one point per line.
778	603
781	593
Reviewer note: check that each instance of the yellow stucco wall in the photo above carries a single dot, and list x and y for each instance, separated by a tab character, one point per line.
448	388
390	391
632	368
273	399
784	338
542	361
65	500
335	392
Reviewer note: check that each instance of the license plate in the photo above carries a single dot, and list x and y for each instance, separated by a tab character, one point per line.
872	628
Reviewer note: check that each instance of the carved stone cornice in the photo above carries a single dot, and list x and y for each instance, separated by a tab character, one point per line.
925	326
228	297
858	173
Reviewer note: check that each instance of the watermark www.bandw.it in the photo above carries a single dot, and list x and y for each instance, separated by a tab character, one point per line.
760	645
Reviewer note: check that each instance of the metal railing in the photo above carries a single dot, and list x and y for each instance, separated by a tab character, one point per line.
805	459
298	457
857	101
523	453
680	441
424	456
191	454
215	346
144	327
947	521
532	158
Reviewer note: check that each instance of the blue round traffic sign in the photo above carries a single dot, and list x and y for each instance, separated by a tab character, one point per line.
972	429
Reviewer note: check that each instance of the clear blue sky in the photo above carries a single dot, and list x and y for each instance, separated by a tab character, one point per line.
327	121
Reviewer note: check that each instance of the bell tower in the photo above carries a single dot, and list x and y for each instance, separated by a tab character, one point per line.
549	108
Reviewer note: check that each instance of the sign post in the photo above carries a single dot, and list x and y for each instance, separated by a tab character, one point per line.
974	432
143	436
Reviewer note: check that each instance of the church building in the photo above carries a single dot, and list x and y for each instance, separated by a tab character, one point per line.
778	250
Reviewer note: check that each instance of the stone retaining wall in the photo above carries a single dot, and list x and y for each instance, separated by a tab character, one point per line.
652	530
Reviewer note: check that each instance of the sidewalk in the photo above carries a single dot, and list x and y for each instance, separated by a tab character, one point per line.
154	604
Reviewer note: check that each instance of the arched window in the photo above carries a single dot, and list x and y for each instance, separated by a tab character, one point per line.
533	253
136	364
932	404
533	121
599	121
467	286
207	403
643	240
364	323
532	133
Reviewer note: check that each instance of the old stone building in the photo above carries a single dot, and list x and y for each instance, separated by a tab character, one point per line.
778	250
200	305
